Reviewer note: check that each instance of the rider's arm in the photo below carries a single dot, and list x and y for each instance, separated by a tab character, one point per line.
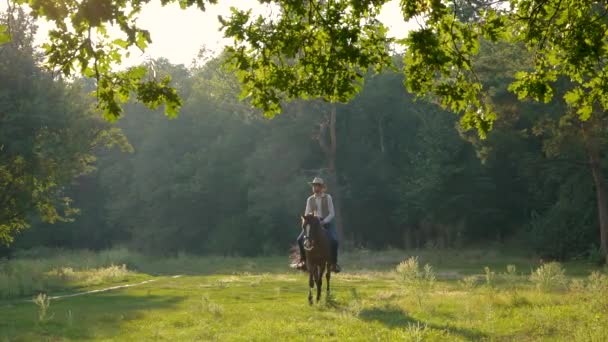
308	209
332	213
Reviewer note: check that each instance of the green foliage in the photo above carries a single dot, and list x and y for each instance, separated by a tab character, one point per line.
80	44
313	50
565	39
5	36
48	138
553	235
116	90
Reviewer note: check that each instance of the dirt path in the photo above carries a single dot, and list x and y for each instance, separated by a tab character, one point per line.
111	288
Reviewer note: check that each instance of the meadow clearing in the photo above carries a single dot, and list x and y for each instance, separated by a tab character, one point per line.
469	295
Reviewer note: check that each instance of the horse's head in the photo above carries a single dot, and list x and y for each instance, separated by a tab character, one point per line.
312	229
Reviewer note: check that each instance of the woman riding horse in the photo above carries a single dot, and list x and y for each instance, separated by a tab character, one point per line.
320	204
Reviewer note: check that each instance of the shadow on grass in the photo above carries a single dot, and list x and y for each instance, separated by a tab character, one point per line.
394	317
331	302
87	317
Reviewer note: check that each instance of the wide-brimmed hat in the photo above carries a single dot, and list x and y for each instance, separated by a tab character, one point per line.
318	181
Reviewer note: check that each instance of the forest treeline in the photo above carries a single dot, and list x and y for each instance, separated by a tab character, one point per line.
222	179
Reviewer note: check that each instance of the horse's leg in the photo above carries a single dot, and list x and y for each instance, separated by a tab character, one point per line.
311	284
328	276
321	269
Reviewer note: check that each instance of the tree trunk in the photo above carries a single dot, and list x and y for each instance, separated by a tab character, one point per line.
600	191
333	172
381	134
602	201
328	128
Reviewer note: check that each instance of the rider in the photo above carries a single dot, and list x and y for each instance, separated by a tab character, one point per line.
321	205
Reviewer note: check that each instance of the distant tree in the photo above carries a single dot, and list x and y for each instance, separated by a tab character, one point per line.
567	140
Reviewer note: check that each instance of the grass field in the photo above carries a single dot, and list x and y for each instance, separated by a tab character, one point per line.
466	296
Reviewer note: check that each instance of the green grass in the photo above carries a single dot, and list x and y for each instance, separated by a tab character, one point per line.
259	299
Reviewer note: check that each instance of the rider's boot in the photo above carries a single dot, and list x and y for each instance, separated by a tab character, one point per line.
300	265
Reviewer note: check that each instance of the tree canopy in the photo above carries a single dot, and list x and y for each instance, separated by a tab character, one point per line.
322	49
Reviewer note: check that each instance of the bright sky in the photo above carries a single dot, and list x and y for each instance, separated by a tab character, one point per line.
179	34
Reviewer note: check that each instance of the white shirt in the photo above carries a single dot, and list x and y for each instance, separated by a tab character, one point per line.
330	204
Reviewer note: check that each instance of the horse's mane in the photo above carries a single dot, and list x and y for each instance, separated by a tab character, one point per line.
310	217
314	221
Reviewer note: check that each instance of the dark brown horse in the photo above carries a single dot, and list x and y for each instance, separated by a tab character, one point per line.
317	249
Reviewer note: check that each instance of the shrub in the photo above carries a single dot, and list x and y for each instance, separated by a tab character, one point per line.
563	231
549	276
490	276
468	283
417	280
596	255
597	286
598	283
577	285
510	277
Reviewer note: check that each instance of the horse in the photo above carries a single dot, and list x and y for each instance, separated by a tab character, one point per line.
317	250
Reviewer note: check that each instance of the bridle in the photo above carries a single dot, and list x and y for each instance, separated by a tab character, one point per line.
309	243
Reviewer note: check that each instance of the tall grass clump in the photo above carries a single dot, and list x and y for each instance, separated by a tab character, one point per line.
597	288
550	276
112	273
417	332
21	279
510	276
417	280
216	310
44	303
46	270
